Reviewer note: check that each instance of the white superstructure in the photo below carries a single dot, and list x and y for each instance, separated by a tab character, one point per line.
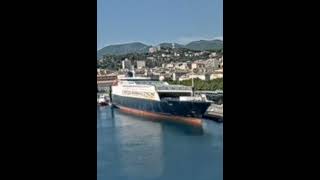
143	87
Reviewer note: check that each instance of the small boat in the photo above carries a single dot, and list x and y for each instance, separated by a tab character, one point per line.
103	100
215	112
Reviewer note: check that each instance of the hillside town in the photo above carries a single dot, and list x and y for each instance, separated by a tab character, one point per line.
163	63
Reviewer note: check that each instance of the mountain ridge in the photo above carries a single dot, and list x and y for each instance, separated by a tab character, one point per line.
138	47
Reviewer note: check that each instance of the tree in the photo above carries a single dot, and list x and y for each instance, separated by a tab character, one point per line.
210	85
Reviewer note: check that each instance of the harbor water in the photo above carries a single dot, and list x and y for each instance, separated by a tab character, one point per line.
134	148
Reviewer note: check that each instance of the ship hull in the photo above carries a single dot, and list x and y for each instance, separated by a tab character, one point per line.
178	111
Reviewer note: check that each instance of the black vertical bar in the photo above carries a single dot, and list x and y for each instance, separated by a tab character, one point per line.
110	93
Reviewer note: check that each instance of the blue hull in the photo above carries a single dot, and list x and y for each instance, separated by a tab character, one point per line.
164	107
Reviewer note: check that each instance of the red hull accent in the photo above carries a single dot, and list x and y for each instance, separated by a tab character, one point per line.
179	119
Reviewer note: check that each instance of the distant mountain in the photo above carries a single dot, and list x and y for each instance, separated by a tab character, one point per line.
198	45
205	45
138	47
135	47
166	45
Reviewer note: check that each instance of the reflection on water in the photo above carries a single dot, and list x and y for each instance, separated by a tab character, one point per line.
130	147
141	146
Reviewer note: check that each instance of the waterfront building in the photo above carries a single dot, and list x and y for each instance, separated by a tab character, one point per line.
153	50
126	64
141	64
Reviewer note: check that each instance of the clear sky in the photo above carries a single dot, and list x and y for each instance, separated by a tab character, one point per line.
155	21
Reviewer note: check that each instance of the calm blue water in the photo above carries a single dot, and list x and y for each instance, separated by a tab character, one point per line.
132	148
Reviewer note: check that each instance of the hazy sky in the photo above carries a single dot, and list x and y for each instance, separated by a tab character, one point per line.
156	21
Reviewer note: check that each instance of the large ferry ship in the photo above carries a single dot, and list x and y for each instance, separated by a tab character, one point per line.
153	98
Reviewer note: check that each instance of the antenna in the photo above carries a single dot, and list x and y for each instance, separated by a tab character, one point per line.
192	81
133	73
192	84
